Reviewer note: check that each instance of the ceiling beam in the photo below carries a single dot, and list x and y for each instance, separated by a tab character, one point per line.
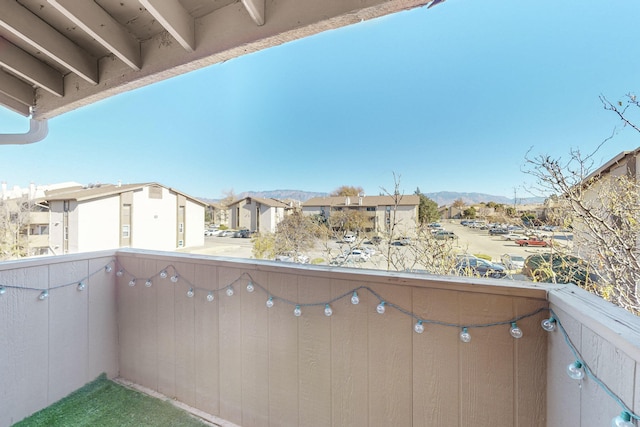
256	10
23	24
29	68
15	88
103	28
175	19
15	106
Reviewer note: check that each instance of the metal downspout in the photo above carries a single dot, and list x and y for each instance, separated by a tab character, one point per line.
38	129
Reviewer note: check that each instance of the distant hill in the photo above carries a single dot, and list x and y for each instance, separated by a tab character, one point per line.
442	198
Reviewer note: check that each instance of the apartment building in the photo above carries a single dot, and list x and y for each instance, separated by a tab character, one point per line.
257	214
145	216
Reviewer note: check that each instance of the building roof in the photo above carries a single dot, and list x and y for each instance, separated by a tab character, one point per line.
370	201
274	203
83	193
612	164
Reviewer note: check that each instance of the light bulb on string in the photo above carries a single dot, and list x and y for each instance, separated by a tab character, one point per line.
622	420
250	287
190	293
297	312
327	310
174	278
418	327
575	371
210	296
549	324
380	308
3	290
132	282
107	269
354	298
515	331
43	295
230	291
148	283
81	286
119	273
163	274
465	336
270	302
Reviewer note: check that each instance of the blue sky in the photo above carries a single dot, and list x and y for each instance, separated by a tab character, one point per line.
449	98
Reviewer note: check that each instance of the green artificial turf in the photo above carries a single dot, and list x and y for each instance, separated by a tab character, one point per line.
104	403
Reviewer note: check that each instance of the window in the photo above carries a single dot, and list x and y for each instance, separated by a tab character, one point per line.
371	208
180	243
181	228
125	231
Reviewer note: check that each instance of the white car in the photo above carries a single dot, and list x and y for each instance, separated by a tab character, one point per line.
349	238
512	261
513	236
293	257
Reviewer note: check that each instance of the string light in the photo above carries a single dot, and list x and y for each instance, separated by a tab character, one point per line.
380	308
119	273
107	269
132	282
270	302
465	336
43	295
190	293
549	324
81	286
210	296
354	298
297	312
3	290
163	274
230	291
148	283
515	331
174	278
418	327
327	310
574	370
250	287
622	420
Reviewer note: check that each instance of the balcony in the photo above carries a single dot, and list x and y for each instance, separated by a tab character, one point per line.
167	322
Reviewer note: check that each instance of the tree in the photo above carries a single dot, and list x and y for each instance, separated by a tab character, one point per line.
469	213
427	210
459	204
347	190
14	222
295	233
605	209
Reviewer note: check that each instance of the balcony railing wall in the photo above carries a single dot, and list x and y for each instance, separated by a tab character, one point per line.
235	358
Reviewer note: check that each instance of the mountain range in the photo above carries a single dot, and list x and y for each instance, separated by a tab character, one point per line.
442	198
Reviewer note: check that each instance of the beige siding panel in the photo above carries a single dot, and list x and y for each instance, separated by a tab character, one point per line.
103	327
315	351
185	335
148	324
390	374
562	391
530	355
68	330
129	329
614	368
166	292
435	367
486	363
255	347
24	354
349	382
283	352
230	349
207	355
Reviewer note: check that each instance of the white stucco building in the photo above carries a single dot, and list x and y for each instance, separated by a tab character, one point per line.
145	216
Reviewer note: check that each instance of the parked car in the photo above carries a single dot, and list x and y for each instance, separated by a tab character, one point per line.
244	233
558	268
211	232
349	238
354	255
498	231
292	256
225	233
512	261
404	241
514	237
443	235
474	266
533	241
376	240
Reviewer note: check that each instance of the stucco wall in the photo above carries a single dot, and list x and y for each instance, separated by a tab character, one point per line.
99	224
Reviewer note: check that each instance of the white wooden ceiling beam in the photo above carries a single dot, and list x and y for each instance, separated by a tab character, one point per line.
15	88
23	24
256	10
103	28
29	68
175	19
15	106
